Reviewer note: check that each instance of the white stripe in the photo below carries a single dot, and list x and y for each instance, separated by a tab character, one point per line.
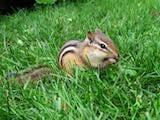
107	47
65	50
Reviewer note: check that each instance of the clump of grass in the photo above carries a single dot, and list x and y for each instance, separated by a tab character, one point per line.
126	90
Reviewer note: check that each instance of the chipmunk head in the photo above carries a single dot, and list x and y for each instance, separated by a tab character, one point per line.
99	49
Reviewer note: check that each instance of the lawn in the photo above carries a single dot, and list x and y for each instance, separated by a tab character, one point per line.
129	89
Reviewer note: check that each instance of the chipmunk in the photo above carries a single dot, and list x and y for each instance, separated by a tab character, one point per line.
97	51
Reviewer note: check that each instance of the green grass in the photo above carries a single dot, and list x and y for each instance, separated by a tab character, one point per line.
129	89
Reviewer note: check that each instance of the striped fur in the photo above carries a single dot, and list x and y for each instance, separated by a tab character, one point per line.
89	52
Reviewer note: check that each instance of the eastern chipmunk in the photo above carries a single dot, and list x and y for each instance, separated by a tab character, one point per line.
96	51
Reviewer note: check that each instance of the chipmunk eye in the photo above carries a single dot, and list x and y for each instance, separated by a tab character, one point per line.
102	45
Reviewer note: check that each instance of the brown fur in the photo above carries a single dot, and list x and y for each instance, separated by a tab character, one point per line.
33	75
71	60
86	53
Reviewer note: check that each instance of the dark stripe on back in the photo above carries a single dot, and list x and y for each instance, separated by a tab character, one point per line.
70	51
71	45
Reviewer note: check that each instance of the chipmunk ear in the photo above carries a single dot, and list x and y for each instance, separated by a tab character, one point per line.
90	36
